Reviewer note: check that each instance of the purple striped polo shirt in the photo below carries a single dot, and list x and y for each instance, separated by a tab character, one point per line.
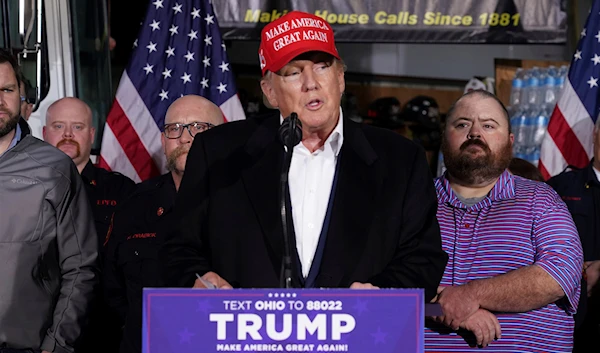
521	222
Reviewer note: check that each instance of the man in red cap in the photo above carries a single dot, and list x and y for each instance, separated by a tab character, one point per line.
362	198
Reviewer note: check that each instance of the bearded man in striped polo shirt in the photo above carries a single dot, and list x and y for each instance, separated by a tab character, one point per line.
512	281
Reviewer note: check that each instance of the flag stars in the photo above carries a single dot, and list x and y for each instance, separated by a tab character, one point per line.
193	35
155	25
166	73
223	88
151	47
186	78
158	4
209	19
597	36
223	46
148	68
206	61
195	13
208	40
176	8
224	66
577	55
135	43
596	59
163	95
189	56
173	30
593	82
170	52
583	32
204	82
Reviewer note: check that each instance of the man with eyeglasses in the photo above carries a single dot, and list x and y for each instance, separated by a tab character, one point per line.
132	245
69	128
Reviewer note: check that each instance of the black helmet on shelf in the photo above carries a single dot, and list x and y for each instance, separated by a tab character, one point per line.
423	111
385	112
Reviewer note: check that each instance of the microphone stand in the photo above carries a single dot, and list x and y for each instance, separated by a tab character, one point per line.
290	134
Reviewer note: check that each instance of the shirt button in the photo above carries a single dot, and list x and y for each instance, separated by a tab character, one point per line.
467	226
311	225
312	191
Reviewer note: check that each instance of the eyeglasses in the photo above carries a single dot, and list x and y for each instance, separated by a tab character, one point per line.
174	131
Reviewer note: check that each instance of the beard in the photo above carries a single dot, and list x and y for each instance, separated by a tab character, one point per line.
72	142
480	169
10	124
174	156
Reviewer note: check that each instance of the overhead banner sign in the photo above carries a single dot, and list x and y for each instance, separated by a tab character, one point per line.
408	21
275	320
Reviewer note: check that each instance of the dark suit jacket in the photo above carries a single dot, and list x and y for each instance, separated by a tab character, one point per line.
383	227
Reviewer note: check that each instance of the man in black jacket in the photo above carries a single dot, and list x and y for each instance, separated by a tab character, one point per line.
363	201
580	190
132	245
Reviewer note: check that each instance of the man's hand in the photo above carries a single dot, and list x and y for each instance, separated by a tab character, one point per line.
592	272
213	278
359	285
458	303
484	325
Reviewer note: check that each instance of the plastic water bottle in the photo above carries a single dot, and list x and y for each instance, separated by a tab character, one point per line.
549	86
540	126
517	86
534	97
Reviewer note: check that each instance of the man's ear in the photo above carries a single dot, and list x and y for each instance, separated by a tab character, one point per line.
93	134
267	88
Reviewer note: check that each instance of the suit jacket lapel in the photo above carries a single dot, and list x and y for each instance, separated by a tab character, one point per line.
261	182
360	180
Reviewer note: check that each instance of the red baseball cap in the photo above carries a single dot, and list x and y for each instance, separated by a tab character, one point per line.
291	35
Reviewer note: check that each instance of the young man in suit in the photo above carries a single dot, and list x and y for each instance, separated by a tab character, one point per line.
362	198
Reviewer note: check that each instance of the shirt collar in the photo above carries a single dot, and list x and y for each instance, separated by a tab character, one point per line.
14	140
336	138
503	189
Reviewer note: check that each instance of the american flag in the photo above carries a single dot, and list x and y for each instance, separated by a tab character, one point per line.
179	51
569	140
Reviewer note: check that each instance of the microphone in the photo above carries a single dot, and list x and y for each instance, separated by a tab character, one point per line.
290	134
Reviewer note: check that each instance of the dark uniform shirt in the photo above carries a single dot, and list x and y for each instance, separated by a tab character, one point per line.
131	253
105	190
580	190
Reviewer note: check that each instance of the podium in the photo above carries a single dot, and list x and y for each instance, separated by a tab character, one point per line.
279	320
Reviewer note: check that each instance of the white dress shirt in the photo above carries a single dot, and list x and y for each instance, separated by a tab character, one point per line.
310	180
595	171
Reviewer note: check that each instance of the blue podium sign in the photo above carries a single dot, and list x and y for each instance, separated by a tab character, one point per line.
260	320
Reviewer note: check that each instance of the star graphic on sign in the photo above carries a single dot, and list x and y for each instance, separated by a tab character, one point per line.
208	40
596	59
360	306
148	68
209	19
151	47
186	78
163	95
203	306
577	55
204	82
173	30
206	61
583	32
222	88
224	66
379	336
166	73
176	8
593	82
170	52
155	25
185	336
158	3
598	36
193	34
135	43
195	13
189	56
